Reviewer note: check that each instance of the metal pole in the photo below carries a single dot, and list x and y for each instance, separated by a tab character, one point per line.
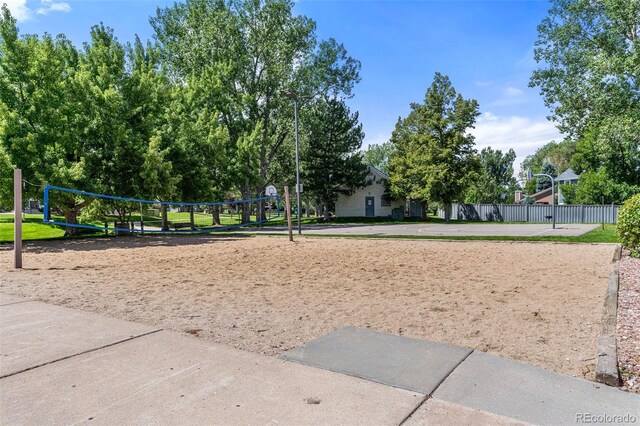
553	198
17	221
259	218
553	202
295	107
288	211
45	210
141	220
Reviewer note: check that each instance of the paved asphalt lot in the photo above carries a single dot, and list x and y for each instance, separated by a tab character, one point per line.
440	229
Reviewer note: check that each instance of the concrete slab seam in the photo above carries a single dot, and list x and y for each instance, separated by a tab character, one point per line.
429	395
346	373
15	303
81	353
607	354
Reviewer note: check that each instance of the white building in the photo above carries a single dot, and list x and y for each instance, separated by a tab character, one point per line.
368	201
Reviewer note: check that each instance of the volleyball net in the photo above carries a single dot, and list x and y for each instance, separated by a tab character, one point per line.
121	215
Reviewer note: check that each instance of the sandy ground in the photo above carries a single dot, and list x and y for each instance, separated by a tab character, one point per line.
533	302
628	330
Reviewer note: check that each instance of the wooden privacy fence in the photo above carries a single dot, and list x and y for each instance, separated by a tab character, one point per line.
534	213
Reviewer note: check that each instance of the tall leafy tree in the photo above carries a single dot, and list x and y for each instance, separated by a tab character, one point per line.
435	159
378	156
495	181
123	95
590	78
6	181
559	154
613	145
258	48
197	143
595	187
40	119
332	161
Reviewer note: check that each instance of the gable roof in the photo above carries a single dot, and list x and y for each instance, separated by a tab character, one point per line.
541	194
568	174
377	172
537	196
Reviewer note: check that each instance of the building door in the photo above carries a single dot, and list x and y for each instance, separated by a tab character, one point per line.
369	206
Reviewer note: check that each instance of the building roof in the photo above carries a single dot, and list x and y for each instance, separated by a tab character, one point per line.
568	174
537	196
377	172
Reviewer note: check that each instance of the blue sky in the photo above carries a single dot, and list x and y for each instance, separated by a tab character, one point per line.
485	47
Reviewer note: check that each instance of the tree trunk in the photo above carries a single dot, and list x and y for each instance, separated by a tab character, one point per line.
261	215
423	210
246	206
165	218
191	217
326	212
71	217
447	212
215	213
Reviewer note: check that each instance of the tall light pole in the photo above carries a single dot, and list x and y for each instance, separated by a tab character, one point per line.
292	95
553	194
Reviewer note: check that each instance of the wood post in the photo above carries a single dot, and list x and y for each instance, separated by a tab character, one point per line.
288	211
17	221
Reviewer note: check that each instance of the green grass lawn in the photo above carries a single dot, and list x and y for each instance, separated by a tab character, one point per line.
33	229
30	231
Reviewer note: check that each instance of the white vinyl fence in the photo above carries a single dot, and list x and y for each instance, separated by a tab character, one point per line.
534	213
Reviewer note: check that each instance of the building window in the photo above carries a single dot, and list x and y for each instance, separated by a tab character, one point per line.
385	201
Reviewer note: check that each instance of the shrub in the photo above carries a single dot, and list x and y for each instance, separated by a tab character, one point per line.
569	193
629	225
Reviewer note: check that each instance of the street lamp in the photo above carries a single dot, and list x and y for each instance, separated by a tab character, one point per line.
292	95
530	176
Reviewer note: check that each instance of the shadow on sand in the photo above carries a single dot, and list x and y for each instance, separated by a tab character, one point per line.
133	241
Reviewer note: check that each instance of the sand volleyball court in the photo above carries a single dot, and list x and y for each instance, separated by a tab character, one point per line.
539	303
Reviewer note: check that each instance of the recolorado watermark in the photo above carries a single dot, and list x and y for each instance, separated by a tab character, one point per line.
588	418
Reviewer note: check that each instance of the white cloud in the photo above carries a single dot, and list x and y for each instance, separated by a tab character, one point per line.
47	6
522	134
482	83
23	11
513	91
509	96
18	9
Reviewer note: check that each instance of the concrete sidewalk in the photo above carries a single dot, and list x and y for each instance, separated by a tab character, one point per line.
465	378
63	366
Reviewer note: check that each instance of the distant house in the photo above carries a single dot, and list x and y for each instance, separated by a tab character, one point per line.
568	177
370	200
541	197
544	197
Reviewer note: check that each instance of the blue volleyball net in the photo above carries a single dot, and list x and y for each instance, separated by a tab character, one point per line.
120	215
